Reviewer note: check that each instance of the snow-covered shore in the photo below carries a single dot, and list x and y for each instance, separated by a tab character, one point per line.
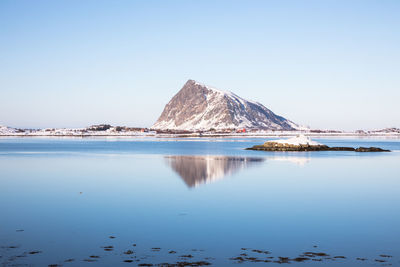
107	130
96	130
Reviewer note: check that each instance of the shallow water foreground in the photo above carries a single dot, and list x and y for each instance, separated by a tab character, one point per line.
108	202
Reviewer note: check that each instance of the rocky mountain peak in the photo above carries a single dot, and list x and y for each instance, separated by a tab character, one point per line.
198	107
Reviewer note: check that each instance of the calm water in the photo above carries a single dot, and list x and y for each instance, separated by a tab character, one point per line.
207	198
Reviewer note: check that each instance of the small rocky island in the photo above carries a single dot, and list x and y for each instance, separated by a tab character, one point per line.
304	143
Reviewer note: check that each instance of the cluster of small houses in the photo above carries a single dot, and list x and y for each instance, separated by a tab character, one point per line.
109	128
382	131
94	129
222	131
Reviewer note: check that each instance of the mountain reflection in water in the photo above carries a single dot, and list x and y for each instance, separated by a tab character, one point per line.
197	170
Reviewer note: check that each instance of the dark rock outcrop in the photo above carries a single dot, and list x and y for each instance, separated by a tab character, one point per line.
288	147
371	149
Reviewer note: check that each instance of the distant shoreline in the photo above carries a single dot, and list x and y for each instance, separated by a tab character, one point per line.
107	130
205	135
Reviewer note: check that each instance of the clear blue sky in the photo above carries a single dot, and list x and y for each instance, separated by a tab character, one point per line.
326	64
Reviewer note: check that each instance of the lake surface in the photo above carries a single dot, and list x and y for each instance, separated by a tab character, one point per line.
63	200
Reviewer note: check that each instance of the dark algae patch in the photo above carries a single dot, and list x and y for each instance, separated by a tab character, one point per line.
315	254
282	260
89	260
128	252
34	252
185	263
108	248
261	251
10	247
301	259
194	257
186	256
385	256
255	256
339	257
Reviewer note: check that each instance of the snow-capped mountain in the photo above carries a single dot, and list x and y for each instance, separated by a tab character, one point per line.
200	107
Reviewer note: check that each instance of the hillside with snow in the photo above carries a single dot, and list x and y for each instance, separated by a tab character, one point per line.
4	130
198	107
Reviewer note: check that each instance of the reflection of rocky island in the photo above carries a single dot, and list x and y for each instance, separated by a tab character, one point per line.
196	170
299	161
303	143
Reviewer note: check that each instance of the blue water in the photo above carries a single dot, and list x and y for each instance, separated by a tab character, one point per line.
207	198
